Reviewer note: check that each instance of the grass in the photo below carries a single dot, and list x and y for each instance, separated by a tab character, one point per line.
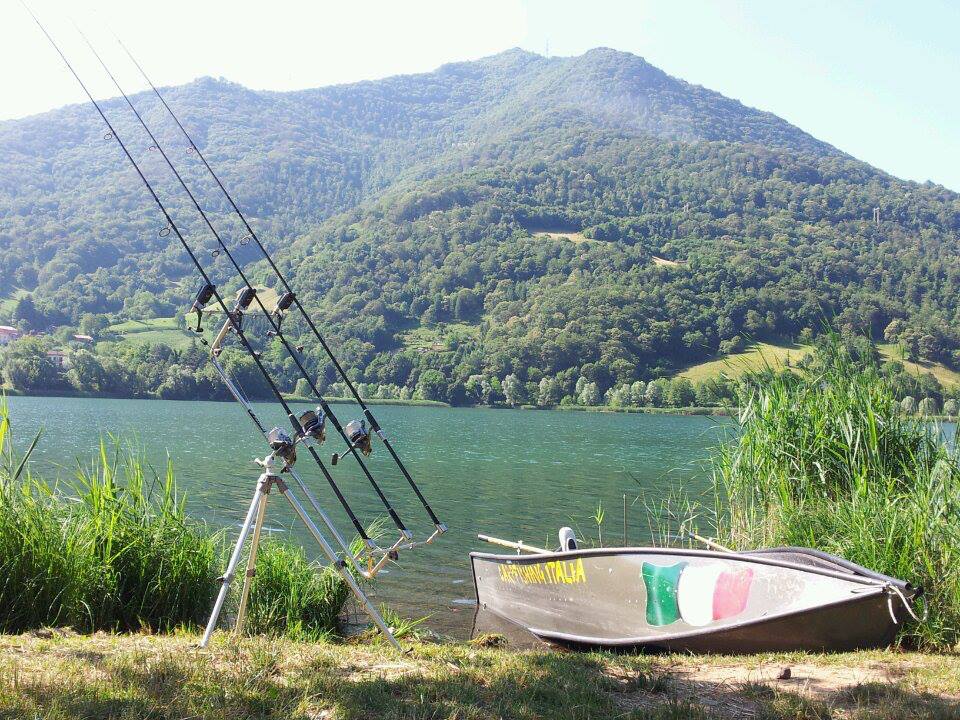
822	458
756	357
155	331
575	237
268	296
444	337
945	376
8	302
59	675
115	551
664	262
291	597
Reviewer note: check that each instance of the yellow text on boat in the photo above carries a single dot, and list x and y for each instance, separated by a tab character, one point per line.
555	572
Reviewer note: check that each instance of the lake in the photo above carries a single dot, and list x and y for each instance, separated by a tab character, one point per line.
516	474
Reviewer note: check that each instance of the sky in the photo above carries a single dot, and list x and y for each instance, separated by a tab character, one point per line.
878	80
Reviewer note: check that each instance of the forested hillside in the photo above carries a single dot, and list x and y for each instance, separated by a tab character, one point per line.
558	221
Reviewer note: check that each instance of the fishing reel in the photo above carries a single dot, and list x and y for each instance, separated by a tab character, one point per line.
244	297
199	302
359	438
279	312
282	446
234	319
314	424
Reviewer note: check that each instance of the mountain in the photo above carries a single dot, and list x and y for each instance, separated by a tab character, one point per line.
543	217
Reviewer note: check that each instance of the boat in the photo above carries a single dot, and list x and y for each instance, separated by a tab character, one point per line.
691	600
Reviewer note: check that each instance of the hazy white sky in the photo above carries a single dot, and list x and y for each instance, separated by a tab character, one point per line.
876	79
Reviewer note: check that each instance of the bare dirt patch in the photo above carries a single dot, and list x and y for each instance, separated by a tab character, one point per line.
778	688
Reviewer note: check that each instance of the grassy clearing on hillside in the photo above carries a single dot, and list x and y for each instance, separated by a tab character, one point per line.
575	237
757	357
57	675
154	331
438	338
943	374
268	296
663	262
8	302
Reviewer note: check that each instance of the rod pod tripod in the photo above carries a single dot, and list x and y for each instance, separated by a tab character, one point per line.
253	523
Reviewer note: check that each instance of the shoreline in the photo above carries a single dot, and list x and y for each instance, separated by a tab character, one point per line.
690	411
11	392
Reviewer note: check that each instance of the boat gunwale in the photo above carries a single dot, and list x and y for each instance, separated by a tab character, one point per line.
742	557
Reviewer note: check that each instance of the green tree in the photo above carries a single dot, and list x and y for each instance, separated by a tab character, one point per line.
681	393
548	392
928	406
93	324
513	390
656	393
302	388
87	373
589	394
637	390
28	368
431	386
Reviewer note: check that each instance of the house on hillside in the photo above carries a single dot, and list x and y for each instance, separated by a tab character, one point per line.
58	358
8	333
87	339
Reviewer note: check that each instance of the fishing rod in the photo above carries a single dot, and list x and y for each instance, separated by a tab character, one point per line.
281	445
352	444
292	298
309	426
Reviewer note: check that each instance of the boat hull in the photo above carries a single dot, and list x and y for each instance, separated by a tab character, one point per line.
700	601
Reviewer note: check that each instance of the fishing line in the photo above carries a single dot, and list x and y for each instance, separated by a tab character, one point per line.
255	297
234	322
252	235
226	252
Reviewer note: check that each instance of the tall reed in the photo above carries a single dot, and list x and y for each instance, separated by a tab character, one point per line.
822	458
292	597
115	550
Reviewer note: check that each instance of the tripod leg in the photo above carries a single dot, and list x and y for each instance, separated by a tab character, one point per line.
339	565
251	561
234	559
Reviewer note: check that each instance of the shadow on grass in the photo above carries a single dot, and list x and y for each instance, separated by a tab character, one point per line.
291	682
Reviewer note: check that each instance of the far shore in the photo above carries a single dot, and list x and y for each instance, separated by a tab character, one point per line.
703	411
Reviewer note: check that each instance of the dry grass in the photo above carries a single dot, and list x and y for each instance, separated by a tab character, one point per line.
663	262
574	237
756	357
61	675
941	372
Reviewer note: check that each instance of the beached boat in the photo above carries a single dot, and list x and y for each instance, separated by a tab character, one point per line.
778	599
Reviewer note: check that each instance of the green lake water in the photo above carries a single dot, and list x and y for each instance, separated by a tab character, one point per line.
509	473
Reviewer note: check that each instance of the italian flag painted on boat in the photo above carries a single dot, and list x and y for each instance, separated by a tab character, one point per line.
696	594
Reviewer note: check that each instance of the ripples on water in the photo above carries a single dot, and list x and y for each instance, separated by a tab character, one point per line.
509	473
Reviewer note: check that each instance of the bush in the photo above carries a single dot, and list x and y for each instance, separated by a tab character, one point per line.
825	460
290	596
951	408
928	406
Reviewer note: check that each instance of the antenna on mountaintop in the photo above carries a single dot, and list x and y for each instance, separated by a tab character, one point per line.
547	51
